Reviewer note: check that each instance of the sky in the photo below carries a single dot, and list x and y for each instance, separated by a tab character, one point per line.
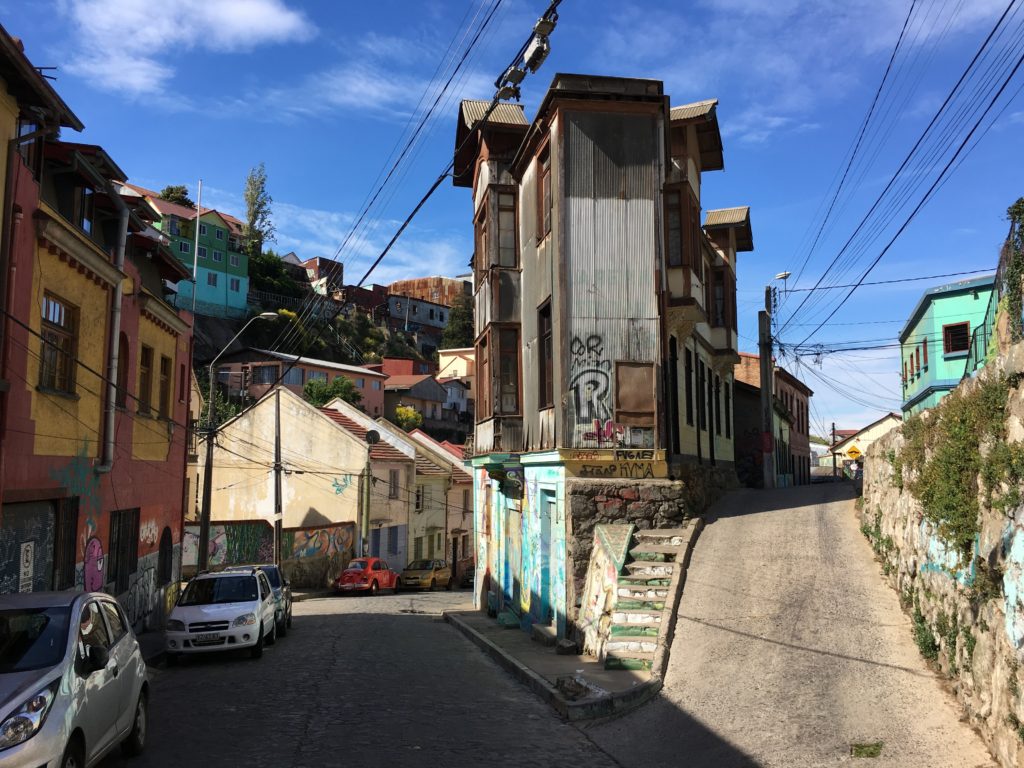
324	92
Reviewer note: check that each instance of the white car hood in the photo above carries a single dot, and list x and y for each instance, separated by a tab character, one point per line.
215	612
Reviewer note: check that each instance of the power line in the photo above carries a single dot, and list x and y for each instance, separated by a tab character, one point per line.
890	282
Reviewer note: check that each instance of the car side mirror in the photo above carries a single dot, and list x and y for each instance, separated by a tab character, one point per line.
98	658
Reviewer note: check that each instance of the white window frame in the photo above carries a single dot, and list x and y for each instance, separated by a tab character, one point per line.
233	259
202	230
201	251
218	256
184	246
211	279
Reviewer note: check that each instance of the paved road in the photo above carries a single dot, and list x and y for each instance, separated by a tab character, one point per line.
363	682
790	648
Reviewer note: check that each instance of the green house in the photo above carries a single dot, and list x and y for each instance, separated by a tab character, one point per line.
936	341
221	266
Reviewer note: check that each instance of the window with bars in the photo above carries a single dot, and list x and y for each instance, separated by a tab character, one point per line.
65	543
392	483
123	552
264	374
145	378
419	498
956	337
165	387
60	340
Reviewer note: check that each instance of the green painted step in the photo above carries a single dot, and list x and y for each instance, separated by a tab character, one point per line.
627	604
649	557
616	662
626	581
508	619
633	630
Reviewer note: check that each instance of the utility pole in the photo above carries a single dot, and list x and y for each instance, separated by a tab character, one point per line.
204	515
372	438
833	447
765	355
277	476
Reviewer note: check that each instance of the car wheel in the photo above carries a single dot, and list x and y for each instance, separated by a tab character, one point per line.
173	659
73	757
374	589
289	622
398	587
136	740
282	628
433	584
272	638
257	650
450	584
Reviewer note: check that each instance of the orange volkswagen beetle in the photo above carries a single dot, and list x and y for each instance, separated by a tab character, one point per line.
367	574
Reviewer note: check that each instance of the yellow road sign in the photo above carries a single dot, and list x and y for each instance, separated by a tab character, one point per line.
854	452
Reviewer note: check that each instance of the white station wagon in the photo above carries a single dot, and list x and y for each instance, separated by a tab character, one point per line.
222	612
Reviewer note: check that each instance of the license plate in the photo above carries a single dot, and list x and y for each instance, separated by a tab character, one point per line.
207	637
347	586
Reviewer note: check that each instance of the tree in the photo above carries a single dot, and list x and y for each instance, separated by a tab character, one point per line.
459	331
259	228
267	273
224	408
319	392
177	193
408	418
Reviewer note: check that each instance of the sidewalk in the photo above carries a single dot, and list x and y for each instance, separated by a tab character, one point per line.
577	686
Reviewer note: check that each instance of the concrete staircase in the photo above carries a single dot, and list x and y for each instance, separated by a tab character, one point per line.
648	594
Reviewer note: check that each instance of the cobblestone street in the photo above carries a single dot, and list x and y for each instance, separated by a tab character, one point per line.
359	681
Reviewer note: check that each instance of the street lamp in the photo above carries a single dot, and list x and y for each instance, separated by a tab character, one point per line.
211	430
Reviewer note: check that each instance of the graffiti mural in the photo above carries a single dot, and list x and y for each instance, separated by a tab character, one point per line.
318	542
342	485
92	565
590	380
149	533
141	596
231	543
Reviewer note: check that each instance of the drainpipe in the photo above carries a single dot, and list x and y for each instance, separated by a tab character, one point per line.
109	435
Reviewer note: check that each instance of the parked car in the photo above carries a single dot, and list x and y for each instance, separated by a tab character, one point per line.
427	574
72	680
366	574
282	594
222	611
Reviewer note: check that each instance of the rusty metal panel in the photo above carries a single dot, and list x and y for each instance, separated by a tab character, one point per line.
612	176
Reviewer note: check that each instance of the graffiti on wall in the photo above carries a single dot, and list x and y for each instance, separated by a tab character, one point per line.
327	541
79	479
599	594
590	379
141	596
149	533
341	485
231	543
628	463
92	565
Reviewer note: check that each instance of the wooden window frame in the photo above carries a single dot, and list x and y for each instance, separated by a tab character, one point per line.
59	345
544	195
924	347
145	396
509	350
675	257
164	401
688	370
945	338
512	208
545	377
480	235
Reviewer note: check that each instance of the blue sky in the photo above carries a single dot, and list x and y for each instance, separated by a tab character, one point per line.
322	91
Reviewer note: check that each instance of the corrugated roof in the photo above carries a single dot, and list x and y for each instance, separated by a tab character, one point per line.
183	211
692	111
405	381
504	114
425	466
727	216
381	451
451	453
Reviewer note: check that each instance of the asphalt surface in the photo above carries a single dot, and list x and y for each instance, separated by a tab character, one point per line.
359	681
789	649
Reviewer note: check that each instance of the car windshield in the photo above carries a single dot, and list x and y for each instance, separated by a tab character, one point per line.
274	576
226	589
420	565
32	638
356	565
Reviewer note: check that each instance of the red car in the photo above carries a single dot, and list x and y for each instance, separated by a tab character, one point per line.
367	574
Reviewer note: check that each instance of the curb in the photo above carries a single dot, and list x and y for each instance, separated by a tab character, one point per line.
670	615
574	711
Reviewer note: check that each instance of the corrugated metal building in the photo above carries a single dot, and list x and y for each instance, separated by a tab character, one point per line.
605	314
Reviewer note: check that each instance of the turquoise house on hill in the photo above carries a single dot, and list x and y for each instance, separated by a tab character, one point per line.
936	340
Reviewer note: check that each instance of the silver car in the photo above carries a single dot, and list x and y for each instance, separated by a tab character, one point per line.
72	680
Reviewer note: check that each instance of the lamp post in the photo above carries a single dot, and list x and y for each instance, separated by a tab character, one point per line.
764	334
211	430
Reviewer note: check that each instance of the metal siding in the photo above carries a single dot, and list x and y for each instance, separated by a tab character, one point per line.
613	180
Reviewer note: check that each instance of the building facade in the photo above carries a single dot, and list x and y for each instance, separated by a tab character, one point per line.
936	340
97	367
437	290
222	267
605	318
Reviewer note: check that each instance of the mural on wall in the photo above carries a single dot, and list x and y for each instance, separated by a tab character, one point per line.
92	565
628	463
78	477
600	589
327	541
231	543
26	547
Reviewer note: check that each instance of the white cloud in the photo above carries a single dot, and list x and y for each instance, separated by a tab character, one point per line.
129	45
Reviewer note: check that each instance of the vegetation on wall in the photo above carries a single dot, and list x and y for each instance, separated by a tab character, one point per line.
268	273
1014	271
948	450
408	418
459	331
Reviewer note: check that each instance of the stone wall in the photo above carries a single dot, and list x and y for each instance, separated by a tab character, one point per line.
645	504
967	609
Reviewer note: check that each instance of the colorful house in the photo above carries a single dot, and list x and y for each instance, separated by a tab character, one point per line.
936	340
222	267
97	369
605	325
